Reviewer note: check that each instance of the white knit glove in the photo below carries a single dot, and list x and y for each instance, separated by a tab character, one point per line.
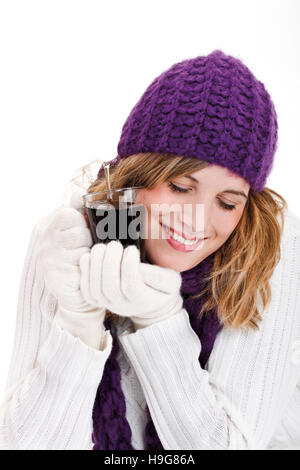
66	239
116	278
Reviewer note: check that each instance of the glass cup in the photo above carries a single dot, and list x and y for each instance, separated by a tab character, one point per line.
114	215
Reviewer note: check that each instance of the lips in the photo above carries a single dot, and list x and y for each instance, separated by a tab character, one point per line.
180	246
181	234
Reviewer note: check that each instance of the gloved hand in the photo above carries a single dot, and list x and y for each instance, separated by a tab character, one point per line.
115	277
65	240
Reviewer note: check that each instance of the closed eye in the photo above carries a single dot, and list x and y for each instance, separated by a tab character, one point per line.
176	188
228	207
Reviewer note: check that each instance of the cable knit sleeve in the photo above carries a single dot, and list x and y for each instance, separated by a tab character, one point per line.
53	376
238	401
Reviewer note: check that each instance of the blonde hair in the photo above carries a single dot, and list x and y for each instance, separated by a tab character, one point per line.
244	264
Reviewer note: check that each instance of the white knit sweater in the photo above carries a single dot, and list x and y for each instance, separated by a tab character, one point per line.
248	397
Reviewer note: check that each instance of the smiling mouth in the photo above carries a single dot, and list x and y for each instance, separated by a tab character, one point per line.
178	238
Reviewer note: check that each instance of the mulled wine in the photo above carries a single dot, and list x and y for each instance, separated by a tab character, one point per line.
126	224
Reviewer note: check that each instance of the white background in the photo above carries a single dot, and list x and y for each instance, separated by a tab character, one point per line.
71	71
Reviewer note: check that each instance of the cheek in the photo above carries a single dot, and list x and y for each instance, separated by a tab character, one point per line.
154	197
227	221
151	199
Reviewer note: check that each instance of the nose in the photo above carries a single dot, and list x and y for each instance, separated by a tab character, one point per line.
195	219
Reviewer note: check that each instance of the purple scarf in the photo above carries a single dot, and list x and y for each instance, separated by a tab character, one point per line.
111	430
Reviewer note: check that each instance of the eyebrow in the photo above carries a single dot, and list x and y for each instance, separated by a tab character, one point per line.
231	191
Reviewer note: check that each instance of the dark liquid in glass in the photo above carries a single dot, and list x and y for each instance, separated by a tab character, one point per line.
120	220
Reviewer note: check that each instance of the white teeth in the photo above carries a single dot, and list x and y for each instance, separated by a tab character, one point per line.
179	238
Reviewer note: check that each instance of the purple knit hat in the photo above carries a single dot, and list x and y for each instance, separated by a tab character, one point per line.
208	107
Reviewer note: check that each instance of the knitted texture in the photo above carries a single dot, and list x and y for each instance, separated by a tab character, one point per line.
111	430
209	107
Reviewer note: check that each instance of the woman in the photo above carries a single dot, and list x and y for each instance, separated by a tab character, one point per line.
197	347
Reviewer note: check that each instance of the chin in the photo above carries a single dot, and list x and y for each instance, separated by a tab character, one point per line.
169	258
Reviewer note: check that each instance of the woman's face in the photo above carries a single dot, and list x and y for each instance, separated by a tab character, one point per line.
211	214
